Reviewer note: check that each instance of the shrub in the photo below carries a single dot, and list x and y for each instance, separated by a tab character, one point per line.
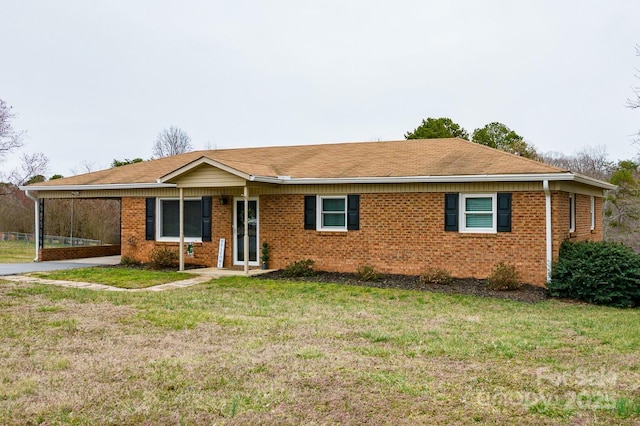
163	257
436	276
504	277
604	273
300	268
129	261
368	273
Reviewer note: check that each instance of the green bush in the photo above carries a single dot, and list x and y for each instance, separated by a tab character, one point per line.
603	273
436	276
163	257
368	273
300	268
503	278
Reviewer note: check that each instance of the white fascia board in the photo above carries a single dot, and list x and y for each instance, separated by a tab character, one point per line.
200	161
97	187
594	182
425	179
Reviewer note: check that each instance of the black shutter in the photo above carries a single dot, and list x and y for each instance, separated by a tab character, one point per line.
150	222
451	212
309	212
353	212
206	218
504	212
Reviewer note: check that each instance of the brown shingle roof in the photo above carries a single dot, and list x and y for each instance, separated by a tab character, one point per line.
406	158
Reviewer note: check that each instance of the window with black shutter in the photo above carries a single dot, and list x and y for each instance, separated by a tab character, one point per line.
504	212
451	212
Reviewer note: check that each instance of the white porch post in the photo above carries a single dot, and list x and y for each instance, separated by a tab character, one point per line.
181	248
37	226
246	230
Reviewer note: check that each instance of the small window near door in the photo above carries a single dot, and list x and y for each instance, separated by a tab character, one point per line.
572	212
593	213
332	213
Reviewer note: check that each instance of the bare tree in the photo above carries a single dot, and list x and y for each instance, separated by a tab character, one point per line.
31	167
631	102
622	207
10	139
634	102
591	161
171	141
84	167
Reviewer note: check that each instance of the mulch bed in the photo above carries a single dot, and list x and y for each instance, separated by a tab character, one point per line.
469	286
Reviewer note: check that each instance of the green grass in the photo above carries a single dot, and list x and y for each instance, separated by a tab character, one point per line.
116	277
17	251
249	351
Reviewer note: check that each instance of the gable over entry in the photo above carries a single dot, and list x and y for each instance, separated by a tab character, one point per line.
206	173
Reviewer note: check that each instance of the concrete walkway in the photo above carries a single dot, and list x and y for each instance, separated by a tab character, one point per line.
102	287
13	272
219	273
27	267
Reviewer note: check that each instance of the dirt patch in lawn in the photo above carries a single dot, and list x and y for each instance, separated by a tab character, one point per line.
468	286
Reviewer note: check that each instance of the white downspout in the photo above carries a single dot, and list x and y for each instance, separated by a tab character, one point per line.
181	218
36	200
549	241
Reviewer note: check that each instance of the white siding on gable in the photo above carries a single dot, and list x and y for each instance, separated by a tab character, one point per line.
207	176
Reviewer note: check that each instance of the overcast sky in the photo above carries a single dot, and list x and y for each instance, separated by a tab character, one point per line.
94	81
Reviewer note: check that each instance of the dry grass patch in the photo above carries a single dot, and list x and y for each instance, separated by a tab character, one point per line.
247	351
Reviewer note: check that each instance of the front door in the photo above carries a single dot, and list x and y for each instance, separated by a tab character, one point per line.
238	234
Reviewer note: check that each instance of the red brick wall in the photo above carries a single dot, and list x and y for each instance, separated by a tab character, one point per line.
67	253
206	253
560	219
404	234
399	233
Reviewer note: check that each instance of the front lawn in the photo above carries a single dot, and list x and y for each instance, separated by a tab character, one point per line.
17	251
115	277
248	351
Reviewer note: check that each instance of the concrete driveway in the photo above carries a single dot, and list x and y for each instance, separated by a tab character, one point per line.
24	268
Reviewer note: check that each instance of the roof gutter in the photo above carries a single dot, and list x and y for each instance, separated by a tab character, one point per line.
97	187
591	181
285	180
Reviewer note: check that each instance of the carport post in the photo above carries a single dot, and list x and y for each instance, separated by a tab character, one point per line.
36	201
246	230
181	218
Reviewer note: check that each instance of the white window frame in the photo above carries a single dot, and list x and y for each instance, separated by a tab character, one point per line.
319	213
572	212
592	206
463	214
159	236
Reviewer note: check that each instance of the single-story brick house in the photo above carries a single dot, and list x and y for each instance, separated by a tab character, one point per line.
399	206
